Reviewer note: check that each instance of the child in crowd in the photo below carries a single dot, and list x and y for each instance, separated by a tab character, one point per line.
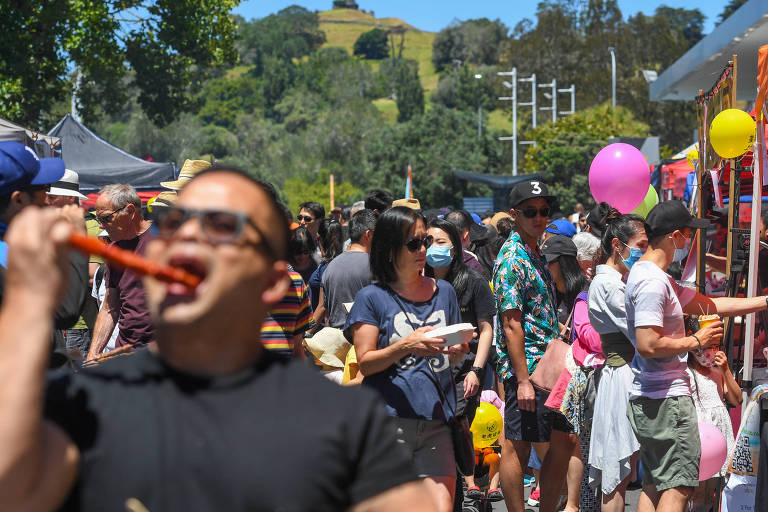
488	457
711	381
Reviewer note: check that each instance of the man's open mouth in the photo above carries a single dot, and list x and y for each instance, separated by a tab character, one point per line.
193	266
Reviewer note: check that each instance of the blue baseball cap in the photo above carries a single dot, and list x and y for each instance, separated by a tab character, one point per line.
562	227
476	218
20	167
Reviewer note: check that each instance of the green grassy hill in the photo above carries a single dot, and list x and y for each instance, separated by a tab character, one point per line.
342	27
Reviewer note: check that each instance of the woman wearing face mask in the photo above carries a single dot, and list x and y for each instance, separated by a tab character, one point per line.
389	324
477	308
613	446
571	396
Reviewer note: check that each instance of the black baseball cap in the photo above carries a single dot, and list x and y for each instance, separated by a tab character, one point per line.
556	246
670	216
529	189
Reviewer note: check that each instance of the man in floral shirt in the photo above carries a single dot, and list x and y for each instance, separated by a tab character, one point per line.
526	322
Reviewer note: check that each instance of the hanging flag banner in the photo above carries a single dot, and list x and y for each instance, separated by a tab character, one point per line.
716	182
408	185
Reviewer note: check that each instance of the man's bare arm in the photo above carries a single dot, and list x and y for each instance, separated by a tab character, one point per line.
105	322
38	461
410	497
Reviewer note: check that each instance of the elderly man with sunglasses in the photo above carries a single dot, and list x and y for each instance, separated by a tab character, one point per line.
118	211
526	322
206	420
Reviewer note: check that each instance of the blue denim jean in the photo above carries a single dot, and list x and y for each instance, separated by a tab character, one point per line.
78	339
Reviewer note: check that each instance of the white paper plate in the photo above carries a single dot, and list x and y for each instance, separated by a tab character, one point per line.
453	334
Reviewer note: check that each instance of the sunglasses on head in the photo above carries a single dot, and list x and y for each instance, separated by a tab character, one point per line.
414	244
304	218
218	226
530	213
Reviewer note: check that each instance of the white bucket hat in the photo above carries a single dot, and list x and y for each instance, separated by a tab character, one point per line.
68	185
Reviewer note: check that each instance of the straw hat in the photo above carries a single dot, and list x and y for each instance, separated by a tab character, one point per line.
408	202
187	172
497	217
164	199
329	346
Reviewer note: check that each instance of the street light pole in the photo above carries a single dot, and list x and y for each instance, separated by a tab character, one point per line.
479	108
613	76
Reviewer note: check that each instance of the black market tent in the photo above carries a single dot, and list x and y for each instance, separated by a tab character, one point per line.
44	145
99	163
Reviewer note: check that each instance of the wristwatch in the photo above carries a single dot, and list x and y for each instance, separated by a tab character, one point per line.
478	371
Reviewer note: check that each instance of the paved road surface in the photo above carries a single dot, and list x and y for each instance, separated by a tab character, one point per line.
631	505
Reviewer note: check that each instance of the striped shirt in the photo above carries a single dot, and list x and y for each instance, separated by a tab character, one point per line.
290	317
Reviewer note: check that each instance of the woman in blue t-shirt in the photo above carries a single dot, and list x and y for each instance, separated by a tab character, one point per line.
477	307
390	323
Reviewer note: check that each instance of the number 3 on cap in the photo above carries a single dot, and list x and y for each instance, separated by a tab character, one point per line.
535	188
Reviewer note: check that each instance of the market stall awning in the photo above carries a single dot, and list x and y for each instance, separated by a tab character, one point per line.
46	146
741	34
99	163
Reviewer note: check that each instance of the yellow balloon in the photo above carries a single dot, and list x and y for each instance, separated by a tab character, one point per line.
486	427
732	133
651	200
692	157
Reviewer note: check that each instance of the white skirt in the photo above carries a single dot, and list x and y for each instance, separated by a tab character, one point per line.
613	441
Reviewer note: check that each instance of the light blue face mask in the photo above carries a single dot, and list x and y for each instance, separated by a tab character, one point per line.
634	255
439	256
680	254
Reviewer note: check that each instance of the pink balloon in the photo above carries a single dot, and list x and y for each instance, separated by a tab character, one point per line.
620	176
714	450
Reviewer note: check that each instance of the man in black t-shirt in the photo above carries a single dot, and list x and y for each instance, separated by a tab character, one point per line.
208	420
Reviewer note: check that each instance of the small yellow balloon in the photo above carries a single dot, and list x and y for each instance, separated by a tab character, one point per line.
692	157
486	427
651	200
732	133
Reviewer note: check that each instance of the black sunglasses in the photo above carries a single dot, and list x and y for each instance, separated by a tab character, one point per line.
106	219
218	226
530	213
414	244
304	218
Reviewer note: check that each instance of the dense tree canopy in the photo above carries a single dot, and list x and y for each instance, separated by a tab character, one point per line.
297	109
641	42
372	45
289	34
162	51
729	9
472	41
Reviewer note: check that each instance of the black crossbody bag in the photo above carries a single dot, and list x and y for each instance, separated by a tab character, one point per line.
461	436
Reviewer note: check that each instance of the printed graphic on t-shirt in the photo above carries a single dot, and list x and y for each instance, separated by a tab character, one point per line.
402	328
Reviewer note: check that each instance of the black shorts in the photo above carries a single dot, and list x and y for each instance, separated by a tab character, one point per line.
532	427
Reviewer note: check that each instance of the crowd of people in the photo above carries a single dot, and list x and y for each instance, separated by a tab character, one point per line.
300	374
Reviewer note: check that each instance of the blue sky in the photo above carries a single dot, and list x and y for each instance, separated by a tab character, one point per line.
432	15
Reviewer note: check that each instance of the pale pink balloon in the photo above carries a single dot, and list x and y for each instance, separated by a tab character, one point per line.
714	450
620	176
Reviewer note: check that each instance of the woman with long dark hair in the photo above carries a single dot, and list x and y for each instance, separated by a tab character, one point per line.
613	445
583	359
477	308
331	243
389	324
